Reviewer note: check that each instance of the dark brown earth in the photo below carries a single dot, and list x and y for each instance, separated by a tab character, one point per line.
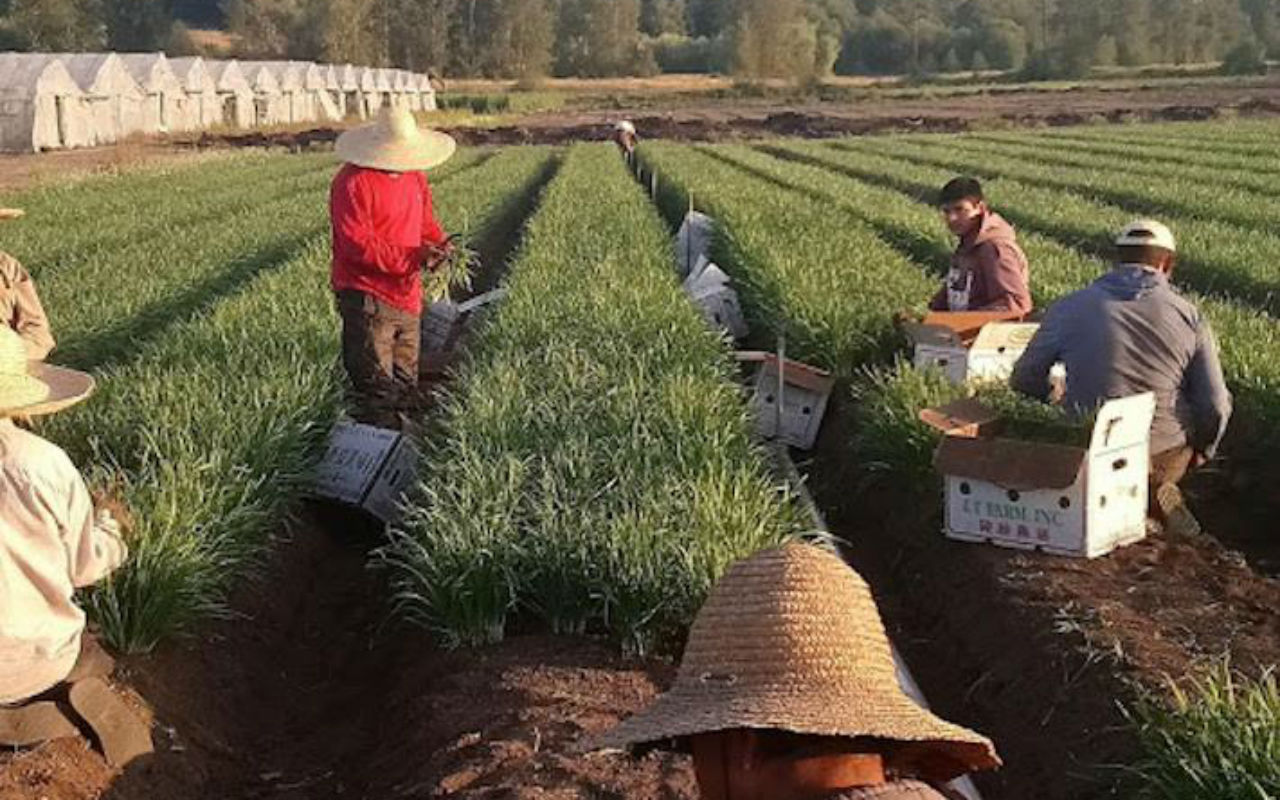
309	694
722	120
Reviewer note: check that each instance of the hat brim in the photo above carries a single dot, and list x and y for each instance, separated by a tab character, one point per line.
371	146
678	715
67	387
12	213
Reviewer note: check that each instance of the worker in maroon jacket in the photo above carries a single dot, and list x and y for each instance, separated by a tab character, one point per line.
384	233
989	270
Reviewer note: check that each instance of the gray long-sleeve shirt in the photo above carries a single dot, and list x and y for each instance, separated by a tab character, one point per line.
1131	332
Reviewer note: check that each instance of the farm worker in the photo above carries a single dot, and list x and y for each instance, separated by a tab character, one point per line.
384	234
787	691
20	305
989	270
1131	332
624	134
52	542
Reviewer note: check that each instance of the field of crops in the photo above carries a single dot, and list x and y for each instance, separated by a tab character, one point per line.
591	467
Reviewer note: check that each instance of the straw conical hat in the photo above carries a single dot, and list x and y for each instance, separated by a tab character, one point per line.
791	640
11	213
395	143
30	388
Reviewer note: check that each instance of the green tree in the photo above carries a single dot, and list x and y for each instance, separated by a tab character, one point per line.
55	25
663	17
136	25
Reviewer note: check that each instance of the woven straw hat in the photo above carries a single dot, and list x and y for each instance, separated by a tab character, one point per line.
791	640
395	143
12	213
30	388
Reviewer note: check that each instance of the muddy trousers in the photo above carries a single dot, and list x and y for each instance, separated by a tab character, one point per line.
380	345
1171	466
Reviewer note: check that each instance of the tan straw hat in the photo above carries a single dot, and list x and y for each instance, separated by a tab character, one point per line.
395	143
12	213
791	640
30	388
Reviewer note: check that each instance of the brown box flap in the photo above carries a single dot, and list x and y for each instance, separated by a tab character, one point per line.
968	418
1009	463
967	324
797	374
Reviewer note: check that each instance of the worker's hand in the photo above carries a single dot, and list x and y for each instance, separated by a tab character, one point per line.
1199	460
109	508
902	317
105	521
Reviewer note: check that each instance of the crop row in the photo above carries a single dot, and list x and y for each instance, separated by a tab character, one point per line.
209	431
798	264
594	466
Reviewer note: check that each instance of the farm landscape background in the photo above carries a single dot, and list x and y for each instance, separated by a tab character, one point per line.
590	467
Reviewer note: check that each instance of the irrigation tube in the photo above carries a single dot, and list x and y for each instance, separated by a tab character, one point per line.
964	785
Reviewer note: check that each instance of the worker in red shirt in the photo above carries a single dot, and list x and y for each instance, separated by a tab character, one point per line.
384	235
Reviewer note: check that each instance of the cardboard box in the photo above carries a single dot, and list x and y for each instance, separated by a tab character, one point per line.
970	347
445	319
367	467
1064	500
710	290
807	391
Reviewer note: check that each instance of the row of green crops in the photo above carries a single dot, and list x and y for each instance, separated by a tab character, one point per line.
1052	226
1219	738
798	264
594	466
209	429
1216	256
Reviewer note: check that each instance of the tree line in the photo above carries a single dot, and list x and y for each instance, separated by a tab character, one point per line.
794	39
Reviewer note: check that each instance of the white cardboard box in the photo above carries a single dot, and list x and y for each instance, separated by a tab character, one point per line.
693	242
967	348
367	467
807	390
711	291
1064	500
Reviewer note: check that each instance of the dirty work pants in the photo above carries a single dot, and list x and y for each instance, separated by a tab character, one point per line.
380	346
1171	466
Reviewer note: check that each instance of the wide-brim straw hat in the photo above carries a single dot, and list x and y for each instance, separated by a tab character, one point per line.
395	143
11	213
791	640
31	388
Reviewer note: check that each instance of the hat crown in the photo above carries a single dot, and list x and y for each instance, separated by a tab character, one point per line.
1147	232
399	120
795	616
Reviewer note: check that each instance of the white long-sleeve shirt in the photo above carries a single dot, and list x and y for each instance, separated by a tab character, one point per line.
50	545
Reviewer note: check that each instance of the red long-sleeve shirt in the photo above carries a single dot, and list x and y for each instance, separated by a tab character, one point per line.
382	223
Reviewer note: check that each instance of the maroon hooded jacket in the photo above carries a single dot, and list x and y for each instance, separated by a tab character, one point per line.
988	272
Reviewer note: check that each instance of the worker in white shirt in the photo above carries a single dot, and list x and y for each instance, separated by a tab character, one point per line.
52	542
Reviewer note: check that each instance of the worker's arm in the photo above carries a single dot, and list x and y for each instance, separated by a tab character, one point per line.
432	234
356	239
1000	282
1031	373
940	301
1206	391
29	319
94	545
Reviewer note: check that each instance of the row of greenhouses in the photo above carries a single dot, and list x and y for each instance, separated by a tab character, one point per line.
51	101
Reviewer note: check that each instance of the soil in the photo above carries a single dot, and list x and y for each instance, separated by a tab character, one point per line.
24	171
309	694
1090	636
710	120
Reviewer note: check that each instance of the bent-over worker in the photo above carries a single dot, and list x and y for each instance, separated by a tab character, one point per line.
625	136
1131	332
52	542
384	234
989	271
20	306
787	691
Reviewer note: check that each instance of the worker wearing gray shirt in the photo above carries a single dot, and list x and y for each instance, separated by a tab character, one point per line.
1131	332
